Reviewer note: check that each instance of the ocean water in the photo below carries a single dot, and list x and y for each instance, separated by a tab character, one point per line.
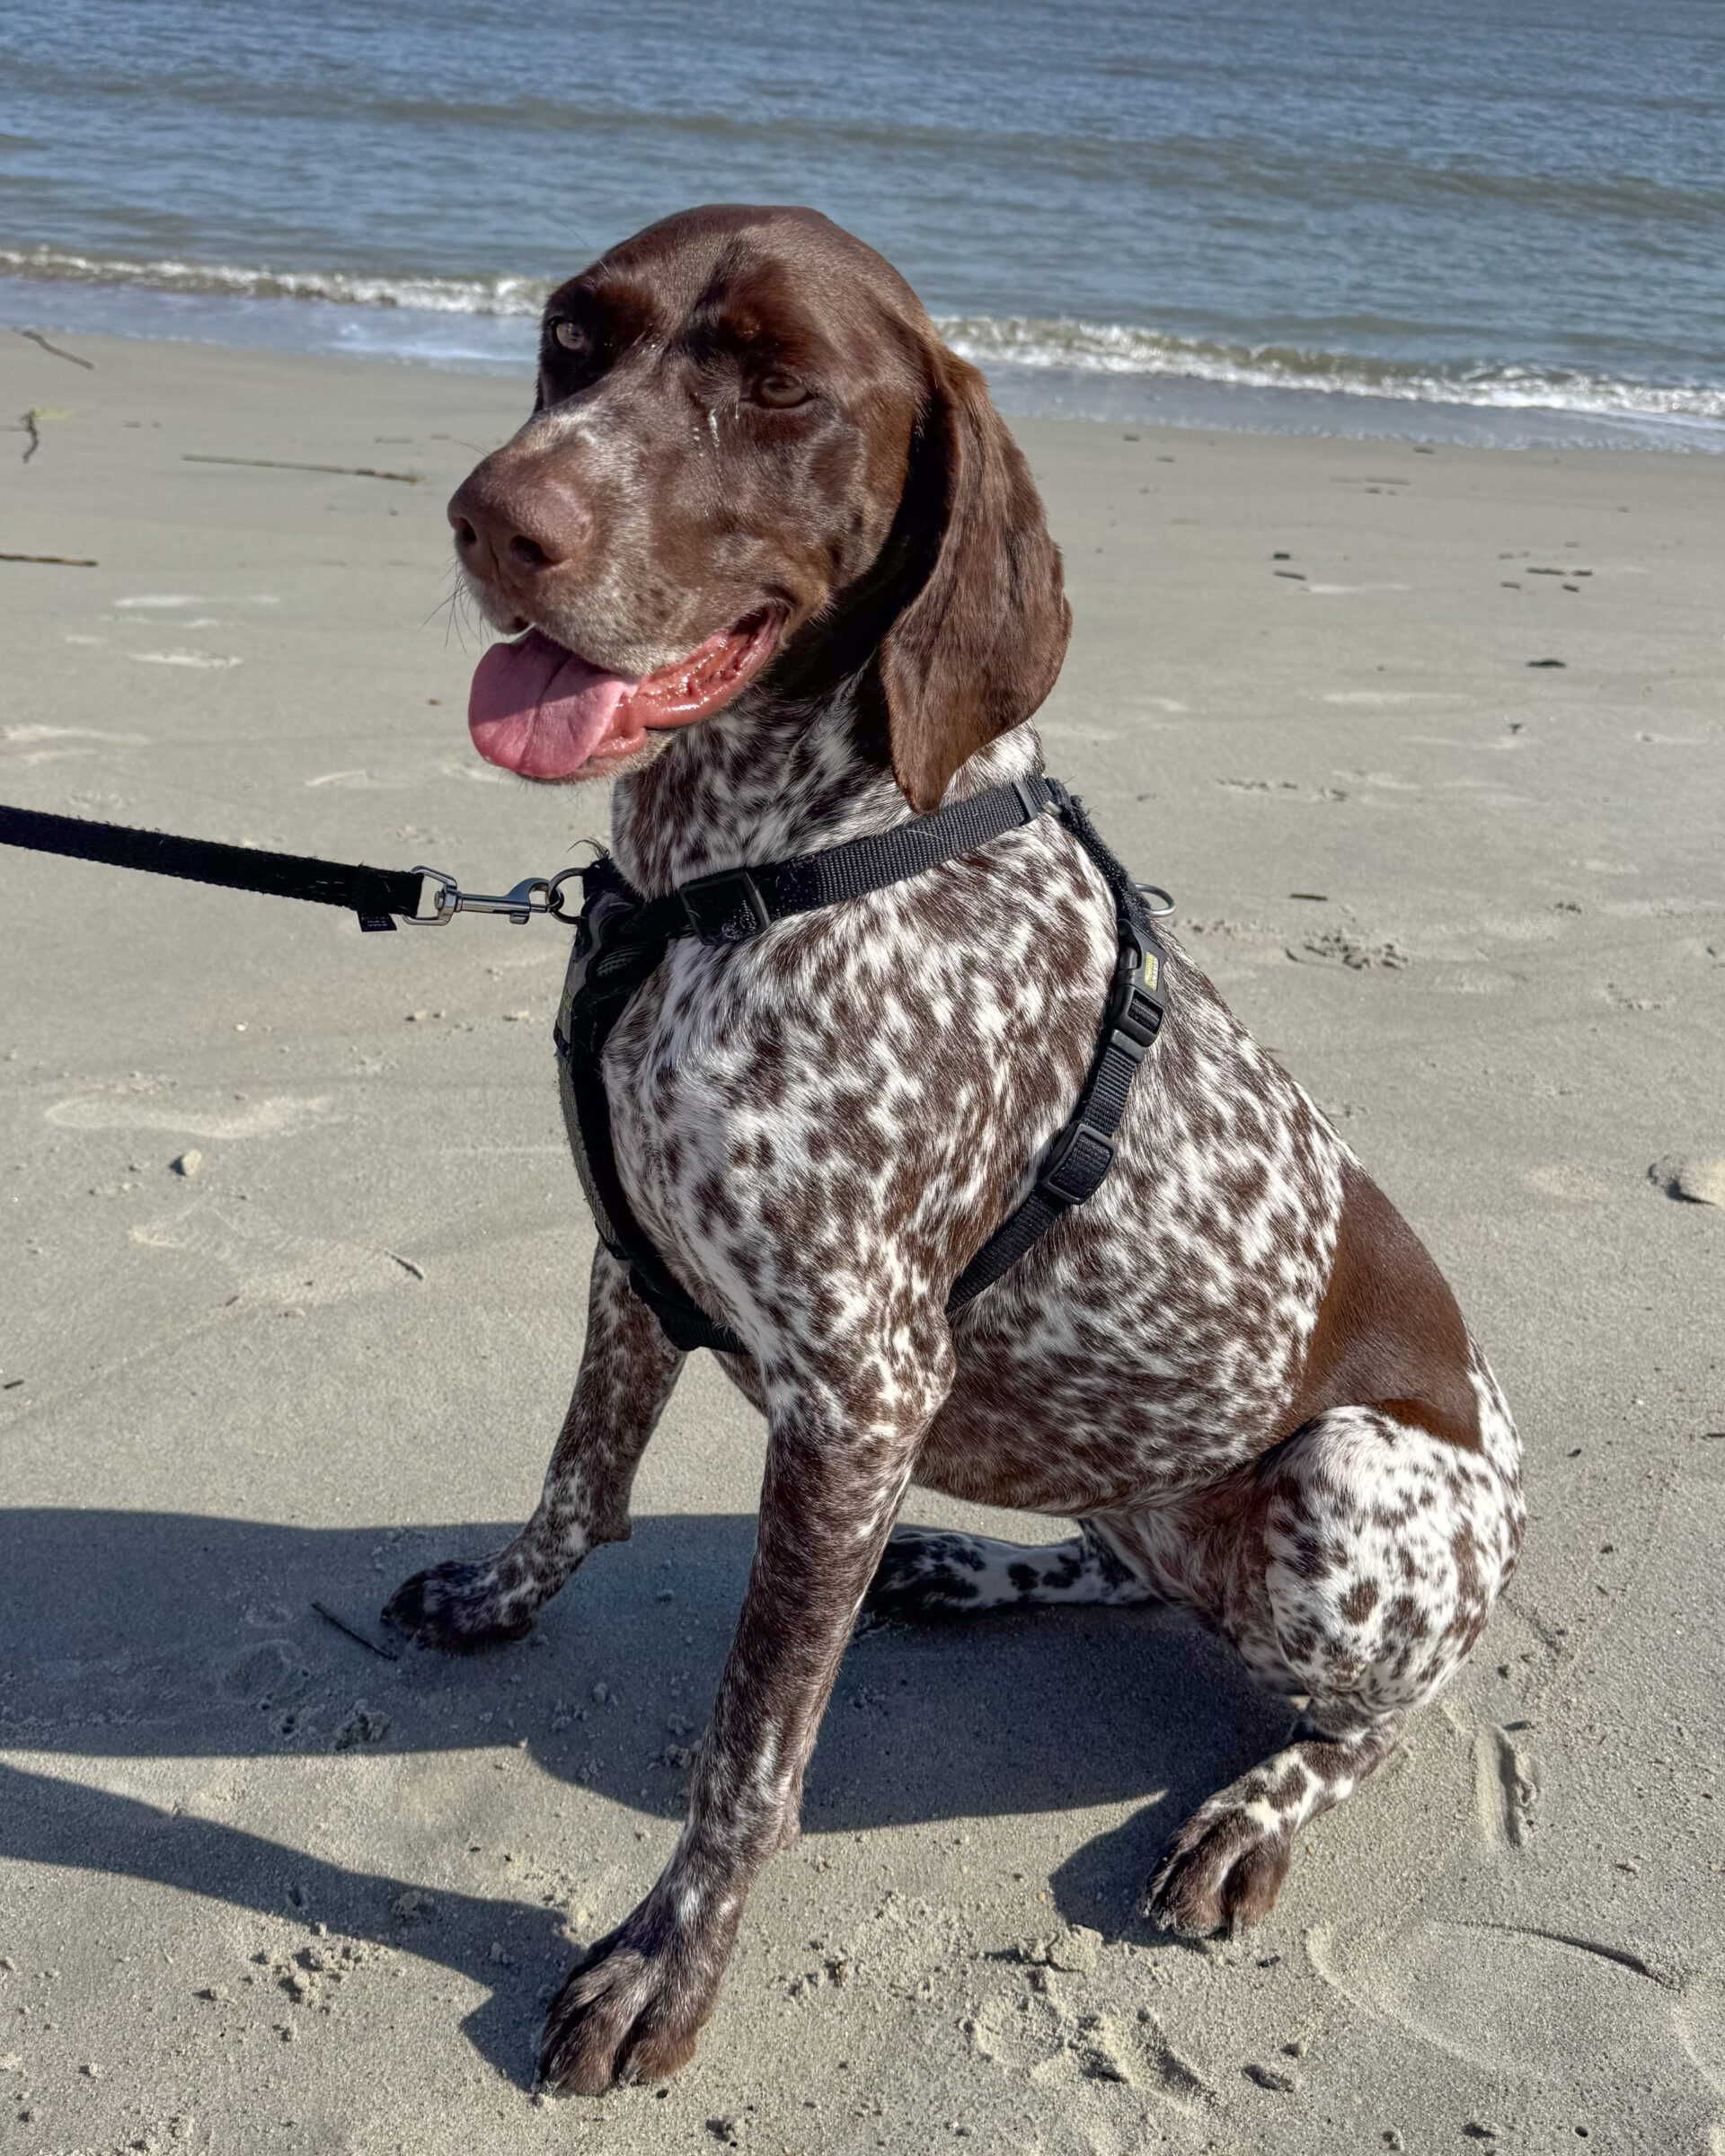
1450	221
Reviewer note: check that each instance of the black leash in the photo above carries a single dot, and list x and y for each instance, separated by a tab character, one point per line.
623	937
375	895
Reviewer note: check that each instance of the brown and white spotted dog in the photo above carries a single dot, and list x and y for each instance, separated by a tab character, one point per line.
784	578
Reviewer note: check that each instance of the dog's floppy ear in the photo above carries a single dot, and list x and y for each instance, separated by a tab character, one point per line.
978	647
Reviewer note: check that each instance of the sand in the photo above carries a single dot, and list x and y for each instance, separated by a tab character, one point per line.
263	1889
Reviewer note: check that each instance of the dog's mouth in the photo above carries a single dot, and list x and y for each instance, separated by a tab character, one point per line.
539	709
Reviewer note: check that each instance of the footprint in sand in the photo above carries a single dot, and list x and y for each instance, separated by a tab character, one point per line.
1048	2037
1572	1185
1697	1177
1506	1788
1072	730
24	735
475	774
361	781
70	742
163	602
271	1674
1373	696
203	661
273	1118
1385	779
271	1266
1701	2030
1474	981
1340	947
1560	2007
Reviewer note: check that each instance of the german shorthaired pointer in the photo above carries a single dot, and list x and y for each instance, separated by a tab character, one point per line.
784	578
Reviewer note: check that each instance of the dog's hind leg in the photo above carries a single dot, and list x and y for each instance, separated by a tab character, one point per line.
627	1372
1359	1571
929	1572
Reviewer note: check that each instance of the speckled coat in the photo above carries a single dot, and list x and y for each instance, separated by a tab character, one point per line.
1236	1367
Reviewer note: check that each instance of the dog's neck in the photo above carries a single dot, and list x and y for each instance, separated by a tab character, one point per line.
763	781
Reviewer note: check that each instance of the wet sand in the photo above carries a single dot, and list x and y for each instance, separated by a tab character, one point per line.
261	1888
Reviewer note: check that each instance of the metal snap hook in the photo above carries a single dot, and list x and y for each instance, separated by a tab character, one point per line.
531	896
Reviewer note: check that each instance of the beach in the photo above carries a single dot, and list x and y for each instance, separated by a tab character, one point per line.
1428	745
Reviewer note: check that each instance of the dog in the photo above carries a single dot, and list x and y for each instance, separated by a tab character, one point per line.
777	568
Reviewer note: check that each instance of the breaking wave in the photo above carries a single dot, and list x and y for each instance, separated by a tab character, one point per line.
1029	343
485	296
1114	348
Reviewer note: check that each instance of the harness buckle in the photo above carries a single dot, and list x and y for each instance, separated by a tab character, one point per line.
1137	1006
726	907
1073	1171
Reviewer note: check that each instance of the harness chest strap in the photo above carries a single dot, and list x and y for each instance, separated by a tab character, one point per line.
622	938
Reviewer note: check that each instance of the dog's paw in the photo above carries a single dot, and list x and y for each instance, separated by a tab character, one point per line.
922	1576
631	2010
1224	1867
459	1606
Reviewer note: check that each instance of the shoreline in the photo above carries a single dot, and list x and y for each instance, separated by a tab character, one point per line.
500	344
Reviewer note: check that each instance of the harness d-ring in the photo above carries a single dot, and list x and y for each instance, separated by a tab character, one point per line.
554	890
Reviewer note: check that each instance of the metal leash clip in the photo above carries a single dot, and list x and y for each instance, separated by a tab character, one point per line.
533	894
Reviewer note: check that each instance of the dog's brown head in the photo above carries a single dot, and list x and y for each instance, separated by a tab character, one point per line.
751	460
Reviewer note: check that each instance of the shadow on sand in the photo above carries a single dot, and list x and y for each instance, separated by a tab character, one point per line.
153	1635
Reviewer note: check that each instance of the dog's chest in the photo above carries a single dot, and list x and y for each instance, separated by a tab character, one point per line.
840	1110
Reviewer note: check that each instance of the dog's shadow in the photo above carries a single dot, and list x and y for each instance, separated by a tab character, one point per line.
150	1635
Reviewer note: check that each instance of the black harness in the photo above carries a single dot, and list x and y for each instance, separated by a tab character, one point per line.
622	937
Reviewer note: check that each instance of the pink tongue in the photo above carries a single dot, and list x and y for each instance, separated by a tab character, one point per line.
539	709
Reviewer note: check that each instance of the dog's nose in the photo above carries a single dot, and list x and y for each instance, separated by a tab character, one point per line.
513	526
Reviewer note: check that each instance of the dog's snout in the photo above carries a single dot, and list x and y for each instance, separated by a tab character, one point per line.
510	526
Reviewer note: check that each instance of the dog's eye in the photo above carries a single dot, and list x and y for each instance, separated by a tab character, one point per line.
780	391
569	336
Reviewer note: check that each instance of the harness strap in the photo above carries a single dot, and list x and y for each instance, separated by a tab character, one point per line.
591	1020
736	904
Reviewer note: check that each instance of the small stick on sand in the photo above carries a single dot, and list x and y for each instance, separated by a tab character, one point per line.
59	561
36	337
279	463
388	1654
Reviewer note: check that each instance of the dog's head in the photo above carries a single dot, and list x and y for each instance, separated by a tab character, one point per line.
752	466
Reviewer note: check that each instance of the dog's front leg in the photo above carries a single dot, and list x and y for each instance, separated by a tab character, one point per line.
839	1455
628	1369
